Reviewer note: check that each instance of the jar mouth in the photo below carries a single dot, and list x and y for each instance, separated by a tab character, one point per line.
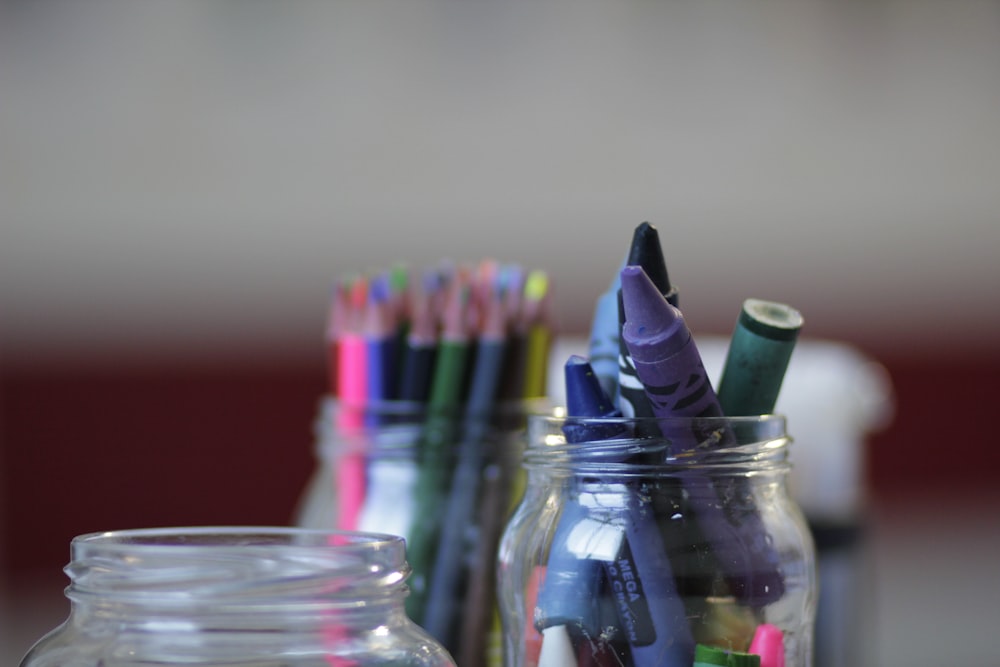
241	564
393	429
647	444
405	411
233	537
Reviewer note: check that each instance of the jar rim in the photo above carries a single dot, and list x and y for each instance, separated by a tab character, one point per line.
651	444
302	536
233	537
559	413
513	406
242	564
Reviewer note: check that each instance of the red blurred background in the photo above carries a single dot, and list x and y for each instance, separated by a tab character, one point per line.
91	448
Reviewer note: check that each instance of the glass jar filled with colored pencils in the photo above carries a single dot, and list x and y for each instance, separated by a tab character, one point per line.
422	431
668	542
445	478
240	596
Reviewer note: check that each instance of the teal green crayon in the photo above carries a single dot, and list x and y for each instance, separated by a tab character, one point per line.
711	656
758	356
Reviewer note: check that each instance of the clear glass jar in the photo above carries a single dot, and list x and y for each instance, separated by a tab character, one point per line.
446	481
626	550
236	596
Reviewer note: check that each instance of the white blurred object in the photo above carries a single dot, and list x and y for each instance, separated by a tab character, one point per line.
833	397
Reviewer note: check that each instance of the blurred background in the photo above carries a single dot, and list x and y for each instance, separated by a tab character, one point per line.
181	183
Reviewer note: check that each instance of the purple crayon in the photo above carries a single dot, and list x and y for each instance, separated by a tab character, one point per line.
669	366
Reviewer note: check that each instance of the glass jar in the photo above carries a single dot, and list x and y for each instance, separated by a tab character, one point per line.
446	481
626	550
236	596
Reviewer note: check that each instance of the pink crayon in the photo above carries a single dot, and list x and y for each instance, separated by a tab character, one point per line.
769	643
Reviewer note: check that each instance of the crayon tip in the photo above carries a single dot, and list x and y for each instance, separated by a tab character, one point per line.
769	643
771	320
647	252
584	395
649	318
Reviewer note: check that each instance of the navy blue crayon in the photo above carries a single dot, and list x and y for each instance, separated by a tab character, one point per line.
570	592
587	399
670	367
624	537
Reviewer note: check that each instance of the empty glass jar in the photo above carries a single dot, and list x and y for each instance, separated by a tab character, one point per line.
237	596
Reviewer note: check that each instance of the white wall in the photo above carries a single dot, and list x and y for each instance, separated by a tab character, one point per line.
197	173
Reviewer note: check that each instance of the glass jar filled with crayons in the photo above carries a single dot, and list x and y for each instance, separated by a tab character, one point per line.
445	478
668	542
240	596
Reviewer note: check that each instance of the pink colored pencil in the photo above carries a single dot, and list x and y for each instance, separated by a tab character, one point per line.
352	384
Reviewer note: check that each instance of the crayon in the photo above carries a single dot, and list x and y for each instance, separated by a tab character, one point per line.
569	594
665	357
651	612
712	656
769	643
646	252
623	537
669	366
758	356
